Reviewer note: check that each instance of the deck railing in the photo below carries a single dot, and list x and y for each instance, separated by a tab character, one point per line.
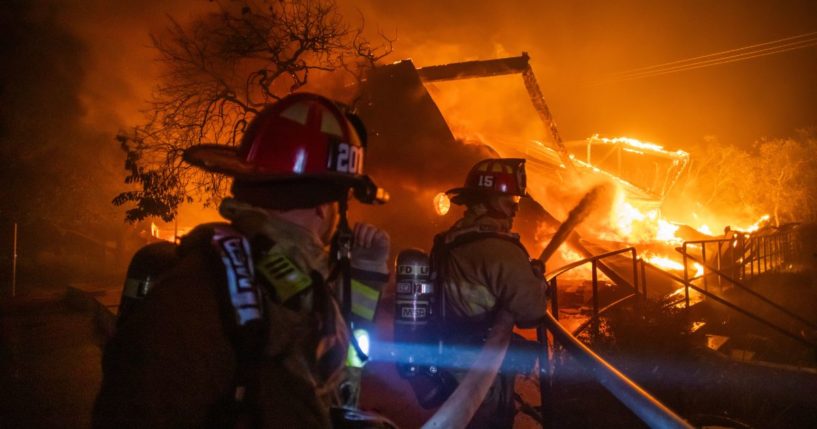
651	411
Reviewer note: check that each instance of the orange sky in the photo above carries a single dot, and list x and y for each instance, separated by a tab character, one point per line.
572	45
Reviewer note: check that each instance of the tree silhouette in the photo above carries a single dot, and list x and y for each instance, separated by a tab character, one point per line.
785	176
219	72
776	176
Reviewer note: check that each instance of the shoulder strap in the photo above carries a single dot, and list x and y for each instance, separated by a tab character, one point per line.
463	236
248	330
235	253
445	242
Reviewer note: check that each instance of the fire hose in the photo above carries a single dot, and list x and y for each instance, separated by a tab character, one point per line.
460	407
574	218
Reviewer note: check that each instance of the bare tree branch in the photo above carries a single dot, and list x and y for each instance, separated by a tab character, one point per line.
219	72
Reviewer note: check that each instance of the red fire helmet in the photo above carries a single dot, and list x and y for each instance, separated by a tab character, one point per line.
303	138
497	176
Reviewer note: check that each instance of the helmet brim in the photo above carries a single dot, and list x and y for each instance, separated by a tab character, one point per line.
225	160
461	195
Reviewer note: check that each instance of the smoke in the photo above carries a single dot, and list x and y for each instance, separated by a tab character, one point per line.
75	73
72	74
44	142
572	44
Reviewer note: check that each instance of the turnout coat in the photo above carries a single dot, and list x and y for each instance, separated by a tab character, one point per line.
482	268
183	356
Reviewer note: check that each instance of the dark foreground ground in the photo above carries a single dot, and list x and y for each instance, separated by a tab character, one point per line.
49	361
50	350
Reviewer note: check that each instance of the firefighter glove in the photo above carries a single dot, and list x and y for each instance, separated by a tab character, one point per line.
370	251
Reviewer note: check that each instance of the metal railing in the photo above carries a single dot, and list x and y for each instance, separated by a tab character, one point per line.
767	252
651	411
594	261
743	256
740	310
749	291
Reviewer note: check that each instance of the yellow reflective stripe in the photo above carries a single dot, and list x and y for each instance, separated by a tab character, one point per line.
282	274
362	311
364	300
352	359
360	288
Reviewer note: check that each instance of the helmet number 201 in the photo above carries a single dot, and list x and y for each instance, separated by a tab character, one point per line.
349	159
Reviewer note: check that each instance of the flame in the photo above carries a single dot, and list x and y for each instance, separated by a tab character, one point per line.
755	226
582	272
635	222
626	215
568	255
671	264
664	262
168	234
666	232
441	204
637	144
699	269
631	225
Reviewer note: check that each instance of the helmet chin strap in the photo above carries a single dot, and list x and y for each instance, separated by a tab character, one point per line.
496	211
486	209
497	214
491	210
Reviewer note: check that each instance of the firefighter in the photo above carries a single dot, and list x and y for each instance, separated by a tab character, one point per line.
481	268
246	326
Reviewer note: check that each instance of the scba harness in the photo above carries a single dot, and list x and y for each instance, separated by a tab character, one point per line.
246	266
453	329
257	273
429	339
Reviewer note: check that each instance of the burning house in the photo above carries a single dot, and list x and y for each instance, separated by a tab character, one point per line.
652	289
419	155
423	141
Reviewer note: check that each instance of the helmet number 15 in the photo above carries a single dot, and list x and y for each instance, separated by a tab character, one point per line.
349	159
486	181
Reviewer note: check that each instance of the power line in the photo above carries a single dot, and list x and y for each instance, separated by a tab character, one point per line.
801	41
635	70
724	60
